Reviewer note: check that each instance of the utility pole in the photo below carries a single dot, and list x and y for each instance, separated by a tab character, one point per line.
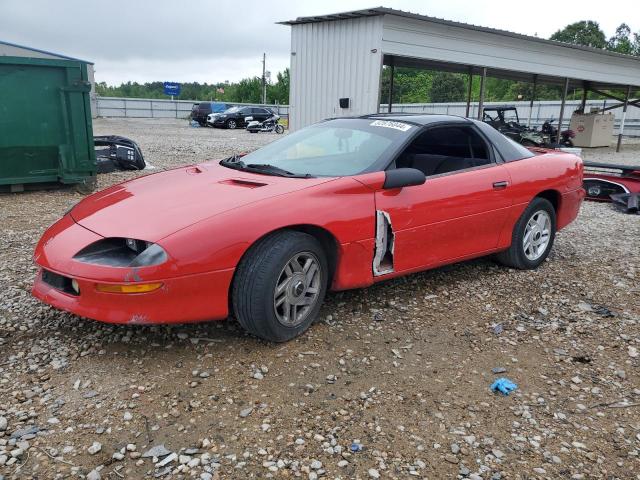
264	79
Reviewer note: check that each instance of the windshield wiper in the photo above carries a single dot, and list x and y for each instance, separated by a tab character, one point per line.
233	162
273	170
264	168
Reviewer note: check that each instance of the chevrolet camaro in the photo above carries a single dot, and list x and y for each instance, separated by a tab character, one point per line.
341	204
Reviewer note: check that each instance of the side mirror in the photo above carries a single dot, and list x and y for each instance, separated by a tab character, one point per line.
403	177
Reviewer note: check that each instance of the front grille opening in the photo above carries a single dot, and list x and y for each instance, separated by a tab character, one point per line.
59	282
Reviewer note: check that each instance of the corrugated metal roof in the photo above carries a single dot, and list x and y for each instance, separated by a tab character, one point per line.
45	52
376	11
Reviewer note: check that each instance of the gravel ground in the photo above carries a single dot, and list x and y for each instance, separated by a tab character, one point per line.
392	382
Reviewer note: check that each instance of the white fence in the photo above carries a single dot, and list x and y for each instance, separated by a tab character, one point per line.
542	110
155	108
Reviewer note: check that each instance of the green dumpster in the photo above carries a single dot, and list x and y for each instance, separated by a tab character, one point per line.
46	135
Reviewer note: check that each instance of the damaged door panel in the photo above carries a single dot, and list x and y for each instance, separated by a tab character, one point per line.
385	242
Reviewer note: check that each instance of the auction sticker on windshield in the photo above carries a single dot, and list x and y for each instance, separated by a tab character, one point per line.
403	127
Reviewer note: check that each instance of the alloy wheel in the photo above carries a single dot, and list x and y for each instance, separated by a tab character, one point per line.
536	235
297	289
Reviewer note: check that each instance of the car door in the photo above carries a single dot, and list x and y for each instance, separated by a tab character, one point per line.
244	113
460	209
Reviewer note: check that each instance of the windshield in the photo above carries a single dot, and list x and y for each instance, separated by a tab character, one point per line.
232	110
339	147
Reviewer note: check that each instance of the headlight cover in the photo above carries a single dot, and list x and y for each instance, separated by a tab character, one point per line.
122	252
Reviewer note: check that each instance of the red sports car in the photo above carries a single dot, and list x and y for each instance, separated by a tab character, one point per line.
341	204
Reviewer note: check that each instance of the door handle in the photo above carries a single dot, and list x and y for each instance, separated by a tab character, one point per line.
501	184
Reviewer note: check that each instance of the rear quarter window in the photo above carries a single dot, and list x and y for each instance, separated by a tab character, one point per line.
507	148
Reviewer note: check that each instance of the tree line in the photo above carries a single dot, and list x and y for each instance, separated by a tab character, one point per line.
410	85
247	90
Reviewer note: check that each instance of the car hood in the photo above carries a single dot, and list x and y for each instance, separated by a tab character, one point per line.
155	206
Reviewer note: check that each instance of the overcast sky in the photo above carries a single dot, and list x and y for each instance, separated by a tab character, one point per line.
214	41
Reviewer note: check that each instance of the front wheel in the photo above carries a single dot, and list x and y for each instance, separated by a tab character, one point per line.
279	285
279	129
231	124
532	236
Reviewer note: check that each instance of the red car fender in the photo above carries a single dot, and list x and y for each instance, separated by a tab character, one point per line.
344	209
559	178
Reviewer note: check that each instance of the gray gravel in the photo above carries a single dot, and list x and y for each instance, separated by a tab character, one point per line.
393	382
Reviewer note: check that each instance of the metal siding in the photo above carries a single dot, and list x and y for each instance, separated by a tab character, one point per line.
430	40
334	60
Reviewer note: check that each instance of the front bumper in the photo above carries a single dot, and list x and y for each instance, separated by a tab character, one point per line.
191	298
181	298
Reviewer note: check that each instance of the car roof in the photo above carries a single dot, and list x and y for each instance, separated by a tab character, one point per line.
418	118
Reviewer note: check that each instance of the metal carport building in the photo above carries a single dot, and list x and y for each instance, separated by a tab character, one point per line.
340	56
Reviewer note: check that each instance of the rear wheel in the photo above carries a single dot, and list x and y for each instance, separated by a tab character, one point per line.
532	237
232	124
279	129
279	286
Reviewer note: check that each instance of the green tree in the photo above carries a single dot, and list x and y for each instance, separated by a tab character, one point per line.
623	42
248	90
447	87
410	85
585	32
279	91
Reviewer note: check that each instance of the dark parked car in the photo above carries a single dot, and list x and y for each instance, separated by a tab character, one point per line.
200	111
235	116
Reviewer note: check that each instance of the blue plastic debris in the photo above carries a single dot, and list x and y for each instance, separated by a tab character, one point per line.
504	386
356	447
498	328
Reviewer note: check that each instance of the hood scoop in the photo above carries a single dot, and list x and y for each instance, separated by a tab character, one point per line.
241	182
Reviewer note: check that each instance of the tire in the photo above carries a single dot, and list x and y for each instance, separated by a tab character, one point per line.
520	257
257	304
279	129
232	124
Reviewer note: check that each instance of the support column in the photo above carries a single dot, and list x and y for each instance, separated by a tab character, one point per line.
564	99
392	68
624	116
469	91
533	97
481	100
585	90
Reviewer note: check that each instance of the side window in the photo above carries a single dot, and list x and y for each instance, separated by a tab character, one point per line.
444	150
